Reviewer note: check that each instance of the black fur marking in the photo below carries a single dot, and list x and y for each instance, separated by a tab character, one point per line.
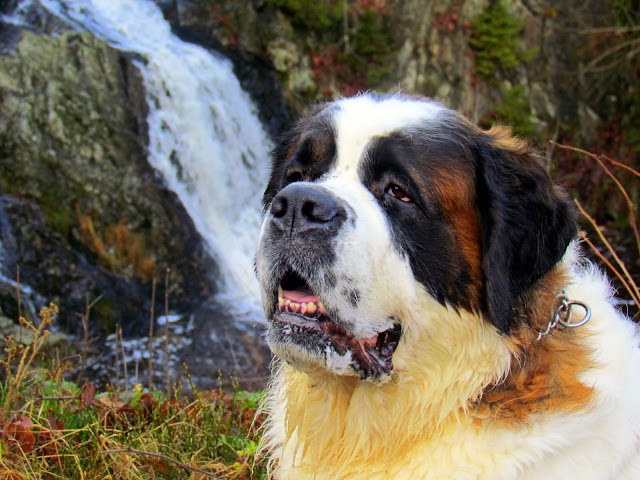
353	295
304	154
526	226
411	160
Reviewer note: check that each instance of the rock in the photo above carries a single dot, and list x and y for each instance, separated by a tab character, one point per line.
430	52
207	348
88	213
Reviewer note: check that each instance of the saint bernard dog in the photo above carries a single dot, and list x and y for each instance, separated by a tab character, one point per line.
428	308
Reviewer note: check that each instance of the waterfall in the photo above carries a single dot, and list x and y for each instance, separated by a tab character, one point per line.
204	135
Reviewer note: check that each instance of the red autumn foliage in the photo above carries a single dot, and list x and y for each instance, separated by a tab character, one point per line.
19	436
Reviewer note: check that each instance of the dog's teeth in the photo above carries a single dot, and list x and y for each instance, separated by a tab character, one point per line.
295	307
303	308
311	308
280	304
321	308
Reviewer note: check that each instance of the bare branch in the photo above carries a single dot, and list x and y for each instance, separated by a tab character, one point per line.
630	204
629	284
591	66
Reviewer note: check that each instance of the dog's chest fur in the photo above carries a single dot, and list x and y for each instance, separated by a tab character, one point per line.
366	432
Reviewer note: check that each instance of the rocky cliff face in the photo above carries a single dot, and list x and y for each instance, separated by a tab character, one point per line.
85	220
88	215
518	61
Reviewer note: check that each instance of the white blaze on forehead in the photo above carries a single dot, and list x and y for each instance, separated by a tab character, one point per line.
359	119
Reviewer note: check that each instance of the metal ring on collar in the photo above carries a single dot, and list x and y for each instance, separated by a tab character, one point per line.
568	322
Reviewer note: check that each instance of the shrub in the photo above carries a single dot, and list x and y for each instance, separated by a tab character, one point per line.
496	42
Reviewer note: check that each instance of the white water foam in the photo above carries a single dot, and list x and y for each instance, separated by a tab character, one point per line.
204	135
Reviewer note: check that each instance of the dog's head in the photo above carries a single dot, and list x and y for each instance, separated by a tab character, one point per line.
377	205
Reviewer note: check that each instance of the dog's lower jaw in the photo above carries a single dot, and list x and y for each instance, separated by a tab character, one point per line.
311	346
313	353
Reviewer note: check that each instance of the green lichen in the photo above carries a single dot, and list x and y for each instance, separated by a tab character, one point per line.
496	40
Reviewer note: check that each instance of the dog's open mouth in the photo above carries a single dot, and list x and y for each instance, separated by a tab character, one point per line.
302	317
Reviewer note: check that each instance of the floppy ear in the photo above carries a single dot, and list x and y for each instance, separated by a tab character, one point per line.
526	223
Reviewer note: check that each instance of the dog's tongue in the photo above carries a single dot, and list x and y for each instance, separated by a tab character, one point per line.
300	296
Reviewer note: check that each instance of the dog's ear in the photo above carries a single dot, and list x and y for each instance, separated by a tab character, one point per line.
526	223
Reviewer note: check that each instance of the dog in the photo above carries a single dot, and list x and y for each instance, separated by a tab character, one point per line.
429	309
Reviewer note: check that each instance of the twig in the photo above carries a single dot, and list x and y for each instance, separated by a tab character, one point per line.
116	357
151	319
85	333
552	145
125	368
19	302
621	165
590	67
345	27
161	457
630	205
630	286
598	31
604	259
55	399
166	334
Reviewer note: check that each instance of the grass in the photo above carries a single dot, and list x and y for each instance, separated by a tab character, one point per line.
51	428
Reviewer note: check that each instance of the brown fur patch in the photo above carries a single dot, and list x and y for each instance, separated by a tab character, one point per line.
544	376
456	195
503	138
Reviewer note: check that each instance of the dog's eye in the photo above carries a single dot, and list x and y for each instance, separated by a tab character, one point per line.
399	193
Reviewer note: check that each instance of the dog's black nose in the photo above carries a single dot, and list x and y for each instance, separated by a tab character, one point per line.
304	206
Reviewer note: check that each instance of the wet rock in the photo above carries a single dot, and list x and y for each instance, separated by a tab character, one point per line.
207	348
89	215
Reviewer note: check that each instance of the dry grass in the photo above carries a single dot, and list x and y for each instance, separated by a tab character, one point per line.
118	248
52	428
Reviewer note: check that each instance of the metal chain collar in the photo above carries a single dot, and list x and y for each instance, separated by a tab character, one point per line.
562	318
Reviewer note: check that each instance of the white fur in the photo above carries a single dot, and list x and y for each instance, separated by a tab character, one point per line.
360	118
601	442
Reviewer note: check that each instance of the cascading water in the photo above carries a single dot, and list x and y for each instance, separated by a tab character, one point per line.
204	135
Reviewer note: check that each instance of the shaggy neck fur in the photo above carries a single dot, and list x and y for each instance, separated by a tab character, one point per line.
545	373
324	421
332	420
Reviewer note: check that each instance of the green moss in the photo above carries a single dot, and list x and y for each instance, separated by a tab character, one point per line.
496	40
515	111
312	15
58	215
